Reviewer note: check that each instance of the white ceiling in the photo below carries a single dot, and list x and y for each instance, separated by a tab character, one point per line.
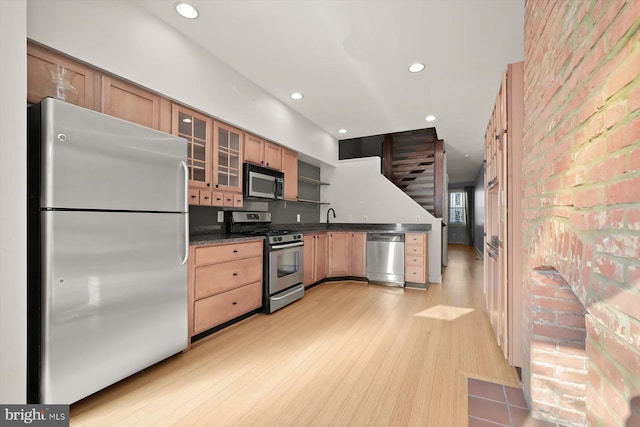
350	57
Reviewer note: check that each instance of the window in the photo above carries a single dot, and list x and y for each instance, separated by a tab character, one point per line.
457	207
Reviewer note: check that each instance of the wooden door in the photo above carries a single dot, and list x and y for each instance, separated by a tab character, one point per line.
321	256
253	149
196	129
290	169
309	259
272	156
85	80
228	154
339	254
358	254
128	102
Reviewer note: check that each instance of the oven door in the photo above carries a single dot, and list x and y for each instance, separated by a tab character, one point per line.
286	266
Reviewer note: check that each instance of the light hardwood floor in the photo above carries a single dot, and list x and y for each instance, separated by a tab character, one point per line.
347	354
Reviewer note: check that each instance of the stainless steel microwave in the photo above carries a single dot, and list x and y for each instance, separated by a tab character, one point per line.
262	183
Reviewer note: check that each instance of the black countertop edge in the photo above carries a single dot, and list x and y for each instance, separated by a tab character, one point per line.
212	238
354	226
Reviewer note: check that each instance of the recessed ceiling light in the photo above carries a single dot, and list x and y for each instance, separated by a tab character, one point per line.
466	155
430	118
296	95
416	68
342	131
186	10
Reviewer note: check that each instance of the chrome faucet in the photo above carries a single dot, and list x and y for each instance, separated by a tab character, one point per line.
334	214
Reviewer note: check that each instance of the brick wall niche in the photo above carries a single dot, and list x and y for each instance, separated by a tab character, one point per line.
558	360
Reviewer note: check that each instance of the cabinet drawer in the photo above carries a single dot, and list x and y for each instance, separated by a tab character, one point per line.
227	252
217	309
228	200
414	239
217	278
417	260
205	198
194	197
414	274
413	250
217	198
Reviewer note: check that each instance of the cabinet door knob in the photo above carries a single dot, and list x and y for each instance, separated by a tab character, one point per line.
235	274
208	184
234	302
235	251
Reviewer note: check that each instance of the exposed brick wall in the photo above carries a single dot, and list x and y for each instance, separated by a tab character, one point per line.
581	185
558	361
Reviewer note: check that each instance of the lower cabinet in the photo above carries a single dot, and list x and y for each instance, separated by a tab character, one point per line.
347	254
416	259
225	281
359	254
315	258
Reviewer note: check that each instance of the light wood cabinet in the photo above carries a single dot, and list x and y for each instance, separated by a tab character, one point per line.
347	254
225	282
290	169
228	145
262	152
272	156
196	128
129	102
503	253
339	254
315	258
416	259
86	80
359	254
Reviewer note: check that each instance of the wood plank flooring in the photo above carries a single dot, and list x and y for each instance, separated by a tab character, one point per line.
347	354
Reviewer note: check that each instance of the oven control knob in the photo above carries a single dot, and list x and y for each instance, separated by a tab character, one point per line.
279	239
297	237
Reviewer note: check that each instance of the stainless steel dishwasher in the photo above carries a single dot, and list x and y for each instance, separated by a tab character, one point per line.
385	258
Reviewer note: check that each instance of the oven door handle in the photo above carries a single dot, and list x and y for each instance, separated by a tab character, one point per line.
288	294
287	245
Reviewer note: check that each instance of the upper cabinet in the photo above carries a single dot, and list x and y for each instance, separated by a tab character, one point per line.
129	102
44	75
228	146
262	152
196	128
290	169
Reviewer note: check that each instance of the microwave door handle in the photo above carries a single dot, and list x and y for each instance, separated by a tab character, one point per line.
275	188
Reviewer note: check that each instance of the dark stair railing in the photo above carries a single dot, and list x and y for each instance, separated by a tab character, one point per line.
414	163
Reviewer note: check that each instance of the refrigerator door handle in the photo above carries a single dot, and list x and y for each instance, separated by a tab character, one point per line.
184	258
185	187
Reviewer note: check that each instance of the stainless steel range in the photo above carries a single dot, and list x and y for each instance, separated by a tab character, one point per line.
283	257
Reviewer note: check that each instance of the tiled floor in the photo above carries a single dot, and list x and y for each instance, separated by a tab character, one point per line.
496	405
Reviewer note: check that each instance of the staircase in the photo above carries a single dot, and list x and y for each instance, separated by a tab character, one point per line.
414	163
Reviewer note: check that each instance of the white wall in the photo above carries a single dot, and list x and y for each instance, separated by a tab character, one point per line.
122	39
13	190
360	193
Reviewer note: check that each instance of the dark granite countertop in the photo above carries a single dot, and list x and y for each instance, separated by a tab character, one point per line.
208	238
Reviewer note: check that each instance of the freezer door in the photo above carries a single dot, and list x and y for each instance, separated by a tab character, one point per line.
114	298
94	161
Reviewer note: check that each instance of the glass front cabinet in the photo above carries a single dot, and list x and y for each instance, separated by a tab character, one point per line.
196	129
228	155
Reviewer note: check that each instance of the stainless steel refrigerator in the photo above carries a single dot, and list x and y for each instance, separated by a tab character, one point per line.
107	250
